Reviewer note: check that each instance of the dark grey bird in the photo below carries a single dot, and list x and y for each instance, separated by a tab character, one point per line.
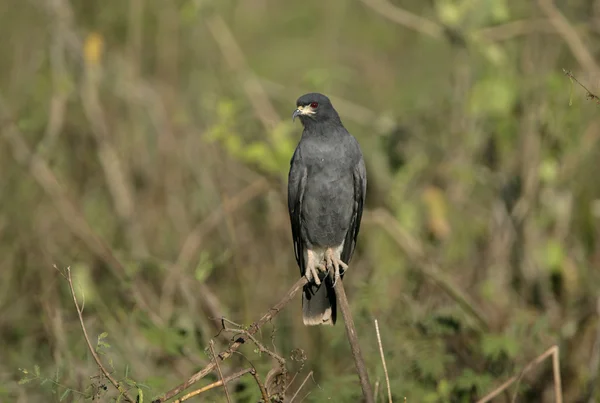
327	184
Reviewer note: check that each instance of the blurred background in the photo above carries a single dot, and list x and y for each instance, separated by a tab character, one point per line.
146	144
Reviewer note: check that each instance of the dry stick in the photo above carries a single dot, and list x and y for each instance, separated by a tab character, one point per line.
552	351
212	351
89	344
385	371
259	345
253	329
214	385
405	18
359	361
263	391
301	386
569	35
589	94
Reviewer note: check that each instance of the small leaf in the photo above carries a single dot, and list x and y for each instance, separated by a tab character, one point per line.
102	335
140	396
36	370
23	381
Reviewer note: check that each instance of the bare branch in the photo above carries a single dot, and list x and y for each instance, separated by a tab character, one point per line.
589	94
107	374
406	18
310	374
214	385
569	35
253	329
359	361
214	356
552	351
258	344
263	391
385	371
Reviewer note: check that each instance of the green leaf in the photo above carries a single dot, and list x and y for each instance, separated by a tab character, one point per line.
36	370
494	345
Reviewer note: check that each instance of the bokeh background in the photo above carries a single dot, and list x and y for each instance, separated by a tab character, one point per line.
146	144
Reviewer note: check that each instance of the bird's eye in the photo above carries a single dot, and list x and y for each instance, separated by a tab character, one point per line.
314	105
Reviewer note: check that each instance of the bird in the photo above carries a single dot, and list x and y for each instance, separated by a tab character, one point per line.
327	186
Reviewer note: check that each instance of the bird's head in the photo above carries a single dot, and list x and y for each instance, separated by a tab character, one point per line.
314	108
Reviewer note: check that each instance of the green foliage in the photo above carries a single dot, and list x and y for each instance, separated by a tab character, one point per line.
479	148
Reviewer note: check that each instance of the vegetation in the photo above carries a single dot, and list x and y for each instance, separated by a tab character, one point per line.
146	145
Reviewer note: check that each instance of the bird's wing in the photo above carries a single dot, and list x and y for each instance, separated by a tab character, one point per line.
296	185
360	192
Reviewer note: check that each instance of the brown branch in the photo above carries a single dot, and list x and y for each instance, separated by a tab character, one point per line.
214	385
385	371
589	94
359	361
515	29
214	357
569	35
107	374
552	351
263	391
301	386
405	18
253	329
253	339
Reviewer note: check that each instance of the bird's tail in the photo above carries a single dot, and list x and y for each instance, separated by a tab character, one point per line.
318	304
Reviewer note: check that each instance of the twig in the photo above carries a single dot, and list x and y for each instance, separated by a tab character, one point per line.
552	351
405	18
301	386
359	361
214	356
589	94
263	391
258	344
569	35
594	366
385	371
214	385
107	374
376	393
253	329
516	28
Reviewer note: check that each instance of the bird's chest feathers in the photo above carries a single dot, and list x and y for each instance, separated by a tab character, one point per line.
326	160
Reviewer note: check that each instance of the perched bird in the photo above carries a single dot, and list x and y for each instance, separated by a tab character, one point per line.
327	184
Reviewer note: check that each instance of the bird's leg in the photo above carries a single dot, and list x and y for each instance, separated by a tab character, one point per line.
312	266
334	263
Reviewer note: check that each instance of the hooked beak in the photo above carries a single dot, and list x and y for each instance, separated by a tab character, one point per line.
296	113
